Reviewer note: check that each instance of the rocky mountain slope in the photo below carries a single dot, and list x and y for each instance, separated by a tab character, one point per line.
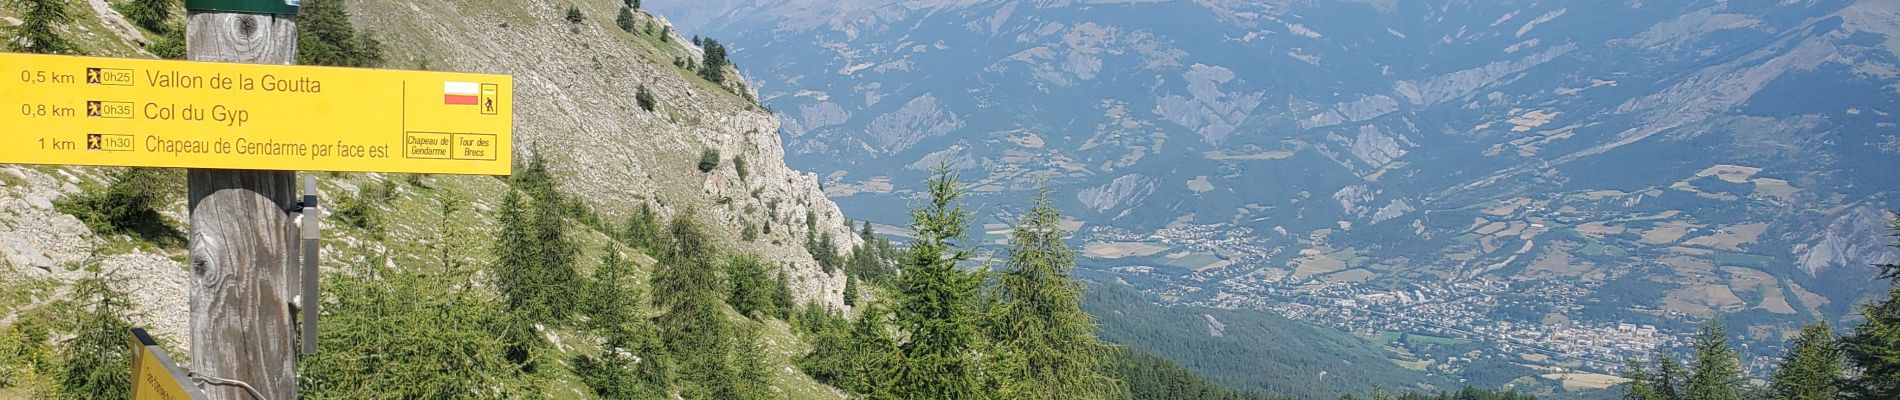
1653	162
575	107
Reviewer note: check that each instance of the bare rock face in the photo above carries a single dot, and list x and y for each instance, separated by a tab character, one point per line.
815	116
920	118
1852	238
1465	82
38	242
1206	109
1124	190
956	157
1356	200
1376	147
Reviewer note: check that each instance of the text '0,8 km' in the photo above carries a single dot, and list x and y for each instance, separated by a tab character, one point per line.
153	113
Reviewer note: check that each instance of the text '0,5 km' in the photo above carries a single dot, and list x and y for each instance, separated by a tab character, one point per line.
152	113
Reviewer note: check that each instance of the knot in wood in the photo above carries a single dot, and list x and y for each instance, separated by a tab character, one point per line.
247	25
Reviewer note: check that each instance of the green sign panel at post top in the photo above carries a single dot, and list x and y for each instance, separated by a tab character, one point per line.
247	6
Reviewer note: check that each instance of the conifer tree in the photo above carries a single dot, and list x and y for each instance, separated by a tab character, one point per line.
91	363
752	287
850	290
1638	387
1874	348
692	324
1812	369
643	229
38	31
713	62
645	98
937	313
153	15
1717	371
625	19
325	37
755	374
1669	376
869	358
534	255
1039	319
613	302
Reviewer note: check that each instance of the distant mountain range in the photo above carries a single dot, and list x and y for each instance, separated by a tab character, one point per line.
1654	162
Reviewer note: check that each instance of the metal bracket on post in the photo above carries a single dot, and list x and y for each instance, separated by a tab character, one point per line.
305	298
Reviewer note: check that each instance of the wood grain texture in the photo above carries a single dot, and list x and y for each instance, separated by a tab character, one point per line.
240	234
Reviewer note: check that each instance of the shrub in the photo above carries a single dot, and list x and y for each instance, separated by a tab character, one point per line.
753	288
625	19
739	164
574	15
126	205
712	66
149	14
38	30
708	160
645	98
170	45
325	37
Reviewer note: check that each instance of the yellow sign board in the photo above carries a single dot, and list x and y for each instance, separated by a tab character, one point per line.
155	113
154	376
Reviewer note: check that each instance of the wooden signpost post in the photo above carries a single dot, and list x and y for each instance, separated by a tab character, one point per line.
244	121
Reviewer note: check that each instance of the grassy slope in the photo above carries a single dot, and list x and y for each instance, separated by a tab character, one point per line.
1255	350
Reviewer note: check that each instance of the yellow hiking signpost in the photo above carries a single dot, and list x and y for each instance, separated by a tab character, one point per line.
154	376
152	113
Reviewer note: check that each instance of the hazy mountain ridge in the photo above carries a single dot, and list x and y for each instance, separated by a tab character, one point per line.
1371	145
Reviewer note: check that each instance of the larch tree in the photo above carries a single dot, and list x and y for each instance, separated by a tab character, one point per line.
1046	339
1812	369
1638	387
1874	348
937	310
1717	372
1668	379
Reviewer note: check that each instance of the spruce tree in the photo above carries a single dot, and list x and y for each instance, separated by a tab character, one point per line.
38	31
1874	348
1039	318
937	309
1717	371
1812	369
